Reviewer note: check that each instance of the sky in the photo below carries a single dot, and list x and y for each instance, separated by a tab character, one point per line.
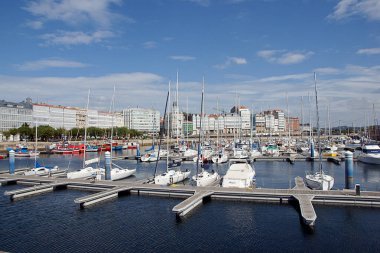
257	53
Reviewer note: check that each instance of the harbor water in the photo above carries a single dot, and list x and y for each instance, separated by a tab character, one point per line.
52	222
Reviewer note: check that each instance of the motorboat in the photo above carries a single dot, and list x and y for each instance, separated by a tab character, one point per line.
370	154
239	175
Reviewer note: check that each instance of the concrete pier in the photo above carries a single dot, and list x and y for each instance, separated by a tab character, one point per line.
101	196
306	207
190	203
195	195
34	190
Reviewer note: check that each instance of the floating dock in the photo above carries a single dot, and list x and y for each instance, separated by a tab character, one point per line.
194	196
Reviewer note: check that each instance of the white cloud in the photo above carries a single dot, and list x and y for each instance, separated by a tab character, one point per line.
150	44
71	91
369	51
182	58
35	24
68	38
230	61
204	3
327	71
284	57
370	9
74	12
49	63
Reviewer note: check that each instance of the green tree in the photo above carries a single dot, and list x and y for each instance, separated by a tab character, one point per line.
25	131
45	132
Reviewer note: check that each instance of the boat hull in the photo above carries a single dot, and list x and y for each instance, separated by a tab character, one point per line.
171	177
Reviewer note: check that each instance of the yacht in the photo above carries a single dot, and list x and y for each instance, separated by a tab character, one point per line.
206	178
239	175
221	157
370	154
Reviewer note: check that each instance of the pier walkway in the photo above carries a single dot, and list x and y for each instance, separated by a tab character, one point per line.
194	195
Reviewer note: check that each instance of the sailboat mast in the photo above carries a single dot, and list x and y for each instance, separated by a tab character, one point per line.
85	130
200	128
167	137
111	112
177	112
35	149
318	127
217	112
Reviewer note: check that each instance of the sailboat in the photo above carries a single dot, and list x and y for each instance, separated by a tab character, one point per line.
319	180
86	171
38	169
170	176
204	178
117	172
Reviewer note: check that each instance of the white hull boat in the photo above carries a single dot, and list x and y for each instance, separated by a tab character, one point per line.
40	171
206	179
85	172
221	158
370	154
239	175
117	174
171	177
319	181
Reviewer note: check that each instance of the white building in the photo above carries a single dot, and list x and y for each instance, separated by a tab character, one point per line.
55	116
176	121
144	120
13	115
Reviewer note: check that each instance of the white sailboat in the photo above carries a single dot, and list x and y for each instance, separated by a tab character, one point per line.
204	178
239	175
319	180
117	172
170	176
38	169
86	171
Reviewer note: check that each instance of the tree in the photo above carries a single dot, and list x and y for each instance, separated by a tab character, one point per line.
44	132
25	131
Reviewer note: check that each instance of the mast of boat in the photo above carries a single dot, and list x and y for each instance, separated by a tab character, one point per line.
85	130
217	131
318	127
187	122
112	119
167	138
301	117
177	112
160	135
200	128
35	149
287	106
310	128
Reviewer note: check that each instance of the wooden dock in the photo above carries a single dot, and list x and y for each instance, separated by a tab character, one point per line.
194	196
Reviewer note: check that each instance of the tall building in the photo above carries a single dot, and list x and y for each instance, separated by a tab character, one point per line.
270	122
176	121
144	120
55	116
13	115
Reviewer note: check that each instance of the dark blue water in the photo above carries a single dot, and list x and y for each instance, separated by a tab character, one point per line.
54	223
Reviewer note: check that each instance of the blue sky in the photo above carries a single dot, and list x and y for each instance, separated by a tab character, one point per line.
53	51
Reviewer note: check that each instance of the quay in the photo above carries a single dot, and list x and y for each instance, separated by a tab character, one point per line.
194	196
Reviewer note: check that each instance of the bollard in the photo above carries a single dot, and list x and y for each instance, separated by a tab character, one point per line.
357	189
108	165
138	150
349	169
312	149
12	162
